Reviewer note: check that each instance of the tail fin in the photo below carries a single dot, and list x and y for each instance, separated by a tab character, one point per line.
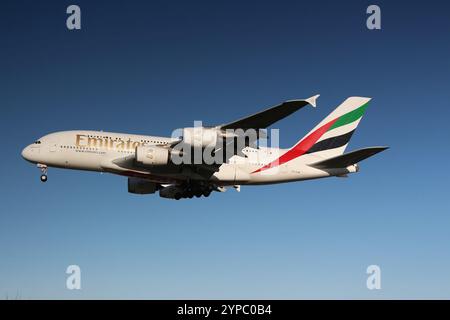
331	136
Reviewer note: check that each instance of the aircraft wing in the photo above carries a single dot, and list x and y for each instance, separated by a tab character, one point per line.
256	121
269	116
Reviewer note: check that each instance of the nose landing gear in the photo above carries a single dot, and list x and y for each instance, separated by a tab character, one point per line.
44	169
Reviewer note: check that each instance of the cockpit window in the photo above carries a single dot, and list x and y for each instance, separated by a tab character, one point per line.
37	142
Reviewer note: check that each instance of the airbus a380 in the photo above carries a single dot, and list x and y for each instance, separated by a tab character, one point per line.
149	161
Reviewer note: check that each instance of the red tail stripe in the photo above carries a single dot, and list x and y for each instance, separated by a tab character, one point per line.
300	148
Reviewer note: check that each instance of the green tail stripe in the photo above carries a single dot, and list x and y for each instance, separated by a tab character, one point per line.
349	117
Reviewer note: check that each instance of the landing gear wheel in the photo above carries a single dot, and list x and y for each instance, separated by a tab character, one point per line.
206	193
43	169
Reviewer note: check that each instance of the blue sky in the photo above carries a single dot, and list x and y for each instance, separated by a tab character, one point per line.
149	67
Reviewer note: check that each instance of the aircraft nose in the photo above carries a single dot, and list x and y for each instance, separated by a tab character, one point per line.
27	153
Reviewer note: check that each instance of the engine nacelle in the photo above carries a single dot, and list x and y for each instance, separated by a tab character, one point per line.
141	186
200	137
152	155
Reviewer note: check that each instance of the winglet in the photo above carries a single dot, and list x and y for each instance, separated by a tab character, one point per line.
313	100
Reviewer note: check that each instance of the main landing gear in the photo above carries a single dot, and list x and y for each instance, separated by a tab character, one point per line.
44	170
190	191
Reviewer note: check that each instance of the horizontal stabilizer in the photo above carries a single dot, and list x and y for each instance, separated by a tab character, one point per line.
348	159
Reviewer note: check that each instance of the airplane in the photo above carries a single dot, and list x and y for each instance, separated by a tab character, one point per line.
149	161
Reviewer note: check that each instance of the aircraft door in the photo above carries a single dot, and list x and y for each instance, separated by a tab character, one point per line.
35	148
52	145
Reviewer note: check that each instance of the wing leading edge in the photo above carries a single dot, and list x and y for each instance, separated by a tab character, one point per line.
269	116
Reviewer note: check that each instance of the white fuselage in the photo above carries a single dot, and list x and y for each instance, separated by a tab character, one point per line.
112	152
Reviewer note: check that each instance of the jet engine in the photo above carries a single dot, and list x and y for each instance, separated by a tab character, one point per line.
141	186
152	155
200	137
